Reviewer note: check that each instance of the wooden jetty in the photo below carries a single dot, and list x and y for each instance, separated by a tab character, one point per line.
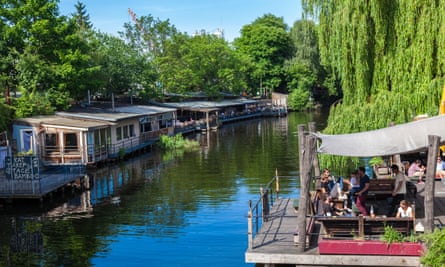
275	243
23	178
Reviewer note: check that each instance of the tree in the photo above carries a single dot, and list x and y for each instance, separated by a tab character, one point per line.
307	56
43	55
388	57
203	63
81	17
267	43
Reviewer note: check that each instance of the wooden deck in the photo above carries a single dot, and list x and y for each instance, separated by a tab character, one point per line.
38	188
274	243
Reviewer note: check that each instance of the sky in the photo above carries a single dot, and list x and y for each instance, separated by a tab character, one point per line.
187	16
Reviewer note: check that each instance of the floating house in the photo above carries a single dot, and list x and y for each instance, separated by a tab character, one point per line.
89	136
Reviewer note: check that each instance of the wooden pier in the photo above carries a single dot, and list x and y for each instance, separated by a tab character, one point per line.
40	184
274	244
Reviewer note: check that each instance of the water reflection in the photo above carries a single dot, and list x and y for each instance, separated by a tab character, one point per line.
160	209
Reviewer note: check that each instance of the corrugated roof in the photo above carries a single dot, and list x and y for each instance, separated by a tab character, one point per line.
119	113
56	121
209	105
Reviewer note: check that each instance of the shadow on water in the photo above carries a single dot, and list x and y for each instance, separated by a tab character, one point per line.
160	209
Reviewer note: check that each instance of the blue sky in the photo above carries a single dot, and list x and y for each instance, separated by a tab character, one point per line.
187	15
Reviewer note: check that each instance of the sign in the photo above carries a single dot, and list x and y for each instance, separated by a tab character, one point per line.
22	168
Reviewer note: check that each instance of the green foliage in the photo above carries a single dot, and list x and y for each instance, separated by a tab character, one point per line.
388	57
203	63
176	142
392	236
6	113
267	44
32	104
299	99
435	255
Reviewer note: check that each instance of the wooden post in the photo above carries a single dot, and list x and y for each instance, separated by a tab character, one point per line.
316	162
361	227
433	149
207	121
250	226
277	183
307	155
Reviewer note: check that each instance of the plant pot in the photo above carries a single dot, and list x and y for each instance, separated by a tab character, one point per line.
369	247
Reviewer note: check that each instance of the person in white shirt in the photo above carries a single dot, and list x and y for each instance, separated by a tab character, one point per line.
440	168
405	210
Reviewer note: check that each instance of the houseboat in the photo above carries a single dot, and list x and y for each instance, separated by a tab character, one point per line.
89	136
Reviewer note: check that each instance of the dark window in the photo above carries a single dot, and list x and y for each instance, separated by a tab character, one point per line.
118	133
71	142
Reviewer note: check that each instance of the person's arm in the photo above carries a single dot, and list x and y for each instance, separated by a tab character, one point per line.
398	213
365	188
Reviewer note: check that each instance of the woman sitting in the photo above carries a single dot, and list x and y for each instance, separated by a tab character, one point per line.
405	210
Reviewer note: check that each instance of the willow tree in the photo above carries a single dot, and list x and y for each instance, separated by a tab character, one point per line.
388	56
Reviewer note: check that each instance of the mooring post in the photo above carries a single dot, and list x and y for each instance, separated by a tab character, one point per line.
250	226
277	184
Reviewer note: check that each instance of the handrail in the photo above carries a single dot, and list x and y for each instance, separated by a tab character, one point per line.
268	195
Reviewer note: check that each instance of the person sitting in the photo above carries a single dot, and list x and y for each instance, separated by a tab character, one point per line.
329	208
363	192
440	168
325	179
355	186
416	169
405	210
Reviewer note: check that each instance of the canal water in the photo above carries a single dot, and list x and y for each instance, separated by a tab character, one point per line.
160	209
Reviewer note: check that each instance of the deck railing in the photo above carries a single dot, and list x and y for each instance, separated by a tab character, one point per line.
259	210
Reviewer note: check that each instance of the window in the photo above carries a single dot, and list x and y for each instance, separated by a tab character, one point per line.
125	129
132	134
119	133
146	127
71	142
51	140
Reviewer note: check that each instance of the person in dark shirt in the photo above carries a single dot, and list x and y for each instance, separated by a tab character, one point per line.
363	191
325	178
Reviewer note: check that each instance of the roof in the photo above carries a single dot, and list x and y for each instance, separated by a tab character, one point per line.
119	113
399	139
209	105
56	121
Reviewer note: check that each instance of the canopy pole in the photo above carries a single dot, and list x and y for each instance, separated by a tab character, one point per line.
307	152
430	180
316	162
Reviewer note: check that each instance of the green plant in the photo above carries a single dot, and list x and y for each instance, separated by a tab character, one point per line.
176	142
435	254
392	236
375	161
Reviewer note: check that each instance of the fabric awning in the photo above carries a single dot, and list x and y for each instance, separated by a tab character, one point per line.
399	139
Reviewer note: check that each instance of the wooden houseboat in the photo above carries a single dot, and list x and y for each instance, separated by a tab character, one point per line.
90	136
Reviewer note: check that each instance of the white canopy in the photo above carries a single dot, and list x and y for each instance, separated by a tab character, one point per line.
399	139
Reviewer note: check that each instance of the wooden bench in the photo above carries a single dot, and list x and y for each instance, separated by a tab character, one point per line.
360	226
380	188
